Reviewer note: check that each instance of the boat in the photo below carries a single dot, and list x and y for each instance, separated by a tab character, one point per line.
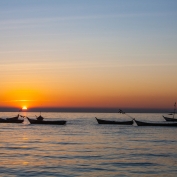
166	124
38	121
14	118
171	119
11	120
100	121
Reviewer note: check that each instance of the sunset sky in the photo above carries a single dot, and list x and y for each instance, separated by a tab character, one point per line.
95	53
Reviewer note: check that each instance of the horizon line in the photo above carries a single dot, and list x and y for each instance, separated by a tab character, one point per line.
86	109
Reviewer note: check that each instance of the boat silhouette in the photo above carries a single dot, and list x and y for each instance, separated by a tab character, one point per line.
173	114
166	124
101	121
40	120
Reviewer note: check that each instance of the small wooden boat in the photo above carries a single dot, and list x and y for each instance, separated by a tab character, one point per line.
14	118
173	119
100	121
36	121
166	124
170	119
11	120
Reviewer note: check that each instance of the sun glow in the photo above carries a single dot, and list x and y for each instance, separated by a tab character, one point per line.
24	108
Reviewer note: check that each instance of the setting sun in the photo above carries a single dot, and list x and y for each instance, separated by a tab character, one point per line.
24	108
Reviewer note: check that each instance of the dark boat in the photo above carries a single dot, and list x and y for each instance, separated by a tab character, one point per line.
171	119
100	121
166	124
11	120
37	121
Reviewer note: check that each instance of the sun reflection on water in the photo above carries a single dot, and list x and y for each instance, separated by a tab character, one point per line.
84	148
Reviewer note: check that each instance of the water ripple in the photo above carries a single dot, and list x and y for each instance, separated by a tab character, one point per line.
84	148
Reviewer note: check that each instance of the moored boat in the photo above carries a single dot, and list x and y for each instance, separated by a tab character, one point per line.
11	120
171	119
166	124
36	121
101	121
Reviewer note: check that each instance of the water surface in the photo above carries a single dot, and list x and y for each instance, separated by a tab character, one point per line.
84	148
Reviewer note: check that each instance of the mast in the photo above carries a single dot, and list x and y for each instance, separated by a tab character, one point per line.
174	110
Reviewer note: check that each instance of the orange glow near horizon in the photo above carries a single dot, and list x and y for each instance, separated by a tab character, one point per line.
96	89
85	96
20	97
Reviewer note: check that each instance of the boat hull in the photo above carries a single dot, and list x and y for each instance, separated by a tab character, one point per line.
59	122
165	124
11	121
13	118
170	119
100	121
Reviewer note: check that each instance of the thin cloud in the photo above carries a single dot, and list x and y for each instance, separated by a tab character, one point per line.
20	100
27	51
64	18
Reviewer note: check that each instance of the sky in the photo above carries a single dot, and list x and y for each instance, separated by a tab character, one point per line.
89	54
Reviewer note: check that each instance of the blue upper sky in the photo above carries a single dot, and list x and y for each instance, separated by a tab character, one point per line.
130	26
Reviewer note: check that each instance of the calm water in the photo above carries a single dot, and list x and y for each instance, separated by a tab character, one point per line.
84	148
